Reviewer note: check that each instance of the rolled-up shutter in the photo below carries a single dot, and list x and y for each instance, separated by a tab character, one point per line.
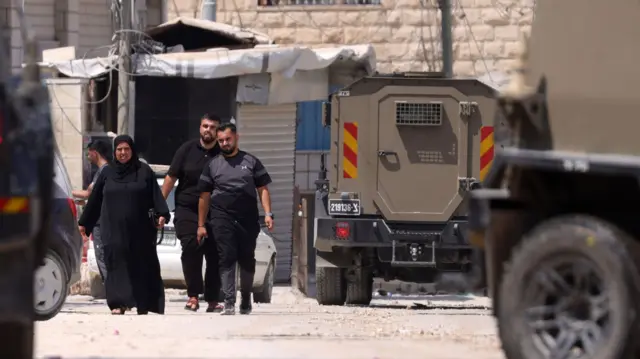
269	133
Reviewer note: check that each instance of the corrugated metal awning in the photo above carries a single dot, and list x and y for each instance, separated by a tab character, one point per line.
218	63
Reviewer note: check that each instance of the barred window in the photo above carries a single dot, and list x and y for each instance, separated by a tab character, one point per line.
419	114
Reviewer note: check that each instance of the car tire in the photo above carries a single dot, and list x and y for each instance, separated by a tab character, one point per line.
264	295
360	287
330	286
588	264
51	287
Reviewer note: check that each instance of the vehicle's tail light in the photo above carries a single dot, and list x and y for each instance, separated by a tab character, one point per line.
342	230
72	206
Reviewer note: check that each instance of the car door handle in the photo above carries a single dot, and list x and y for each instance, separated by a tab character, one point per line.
386	153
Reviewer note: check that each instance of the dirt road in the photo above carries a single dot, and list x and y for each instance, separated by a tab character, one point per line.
442	327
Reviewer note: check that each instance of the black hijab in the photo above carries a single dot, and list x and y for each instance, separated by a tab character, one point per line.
125	169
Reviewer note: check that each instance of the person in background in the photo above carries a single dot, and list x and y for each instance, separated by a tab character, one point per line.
229	188
97	154
127	200
186	167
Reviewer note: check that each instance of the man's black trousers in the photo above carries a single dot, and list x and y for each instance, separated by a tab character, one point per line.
192	255
236	242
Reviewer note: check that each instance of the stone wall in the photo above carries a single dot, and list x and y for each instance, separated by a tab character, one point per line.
96	28
85	24
405	33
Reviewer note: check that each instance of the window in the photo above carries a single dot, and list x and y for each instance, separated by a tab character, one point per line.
418	114
316	2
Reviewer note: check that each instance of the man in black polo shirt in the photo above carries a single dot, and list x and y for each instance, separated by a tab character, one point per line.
230	185
186	167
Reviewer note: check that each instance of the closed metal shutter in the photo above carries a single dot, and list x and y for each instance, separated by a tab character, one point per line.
269	133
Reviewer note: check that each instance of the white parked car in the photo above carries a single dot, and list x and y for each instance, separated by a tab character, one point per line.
169	251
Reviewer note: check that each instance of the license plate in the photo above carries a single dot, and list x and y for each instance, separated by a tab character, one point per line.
169	239
344	207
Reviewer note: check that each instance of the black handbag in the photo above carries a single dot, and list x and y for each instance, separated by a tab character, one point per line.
155	220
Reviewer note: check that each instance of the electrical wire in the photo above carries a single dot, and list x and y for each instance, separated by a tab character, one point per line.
430	57
112	58
469	31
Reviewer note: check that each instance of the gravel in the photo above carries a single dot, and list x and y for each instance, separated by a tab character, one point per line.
394	326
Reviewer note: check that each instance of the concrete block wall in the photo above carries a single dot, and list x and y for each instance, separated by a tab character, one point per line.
67	107
405	33
96	28
183	8
85	24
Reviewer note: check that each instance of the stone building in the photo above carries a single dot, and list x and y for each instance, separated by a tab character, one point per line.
405	33
86	24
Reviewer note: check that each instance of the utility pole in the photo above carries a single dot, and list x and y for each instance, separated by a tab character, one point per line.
447	41
124	65
209	10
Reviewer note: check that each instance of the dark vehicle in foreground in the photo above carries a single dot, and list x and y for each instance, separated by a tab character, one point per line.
27	148
557	218
61	266
407	149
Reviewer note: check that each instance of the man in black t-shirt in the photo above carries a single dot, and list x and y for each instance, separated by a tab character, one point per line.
186	167
230	185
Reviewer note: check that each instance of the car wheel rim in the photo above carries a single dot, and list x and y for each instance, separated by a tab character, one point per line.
569	308
49	286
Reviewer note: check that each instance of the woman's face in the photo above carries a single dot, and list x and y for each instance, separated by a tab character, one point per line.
123	152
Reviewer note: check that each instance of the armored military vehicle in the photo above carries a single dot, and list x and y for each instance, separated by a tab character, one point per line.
557	217
406	151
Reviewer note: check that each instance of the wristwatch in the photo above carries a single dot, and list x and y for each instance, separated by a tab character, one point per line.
270	214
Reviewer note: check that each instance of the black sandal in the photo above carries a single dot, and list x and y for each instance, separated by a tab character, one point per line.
215	307
118	311
193	305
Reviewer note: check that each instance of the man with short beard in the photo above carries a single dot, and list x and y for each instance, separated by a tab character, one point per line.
186	167
230	186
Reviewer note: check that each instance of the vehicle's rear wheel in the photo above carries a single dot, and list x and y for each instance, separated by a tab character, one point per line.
330	286
359	287
264	295
51	286
568	291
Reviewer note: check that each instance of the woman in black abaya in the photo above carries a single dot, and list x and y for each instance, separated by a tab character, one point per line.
128	200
